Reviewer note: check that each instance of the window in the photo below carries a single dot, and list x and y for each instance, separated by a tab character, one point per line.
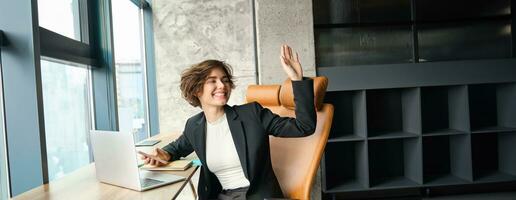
60	16
130	68
67	116
53	81
66	91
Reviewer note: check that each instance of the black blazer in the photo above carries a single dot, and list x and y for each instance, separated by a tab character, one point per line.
250	126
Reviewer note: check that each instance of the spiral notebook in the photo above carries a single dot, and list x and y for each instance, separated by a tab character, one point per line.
177	165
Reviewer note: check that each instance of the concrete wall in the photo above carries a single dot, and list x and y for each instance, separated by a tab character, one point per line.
278	22
189	31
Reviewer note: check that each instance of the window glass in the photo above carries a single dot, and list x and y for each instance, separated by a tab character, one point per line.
360	11
460	9
67	119
462	41
60	16
130	69
363	46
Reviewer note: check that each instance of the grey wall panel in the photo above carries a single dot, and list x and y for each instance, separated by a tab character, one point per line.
458	108
411	110
460	157
507	152
506	101
362	164
359	113
413	162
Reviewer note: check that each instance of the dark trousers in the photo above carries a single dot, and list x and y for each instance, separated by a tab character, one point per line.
234	194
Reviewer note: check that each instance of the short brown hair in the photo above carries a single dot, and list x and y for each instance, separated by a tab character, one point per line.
193	78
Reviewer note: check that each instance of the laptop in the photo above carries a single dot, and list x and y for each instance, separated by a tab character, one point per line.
116	162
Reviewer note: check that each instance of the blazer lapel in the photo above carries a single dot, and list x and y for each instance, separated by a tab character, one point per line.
200	139
237	131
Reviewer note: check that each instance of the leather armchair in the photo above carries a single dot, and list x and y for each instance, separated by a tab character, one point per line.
295	160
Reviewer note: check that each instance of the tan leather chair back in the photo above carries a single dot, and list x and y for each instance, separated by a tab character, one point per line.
295	160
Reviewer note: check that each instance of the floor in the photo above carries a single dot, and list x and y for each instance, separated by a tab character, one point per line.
477	196
481	196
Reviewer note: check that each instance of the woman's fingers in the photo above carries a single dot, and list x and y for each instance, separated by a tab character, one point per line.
285	51
289	53
150	161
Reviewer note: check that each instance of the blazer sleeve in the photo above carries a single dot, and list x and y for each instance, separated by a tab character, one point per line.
181	147
306	118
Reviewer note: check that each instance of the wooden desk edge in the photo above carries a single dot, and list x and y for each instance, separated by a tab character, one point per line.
70	181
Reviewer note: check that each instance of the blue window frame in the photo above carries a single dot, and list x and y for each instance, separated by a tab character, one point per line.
4	184
23	78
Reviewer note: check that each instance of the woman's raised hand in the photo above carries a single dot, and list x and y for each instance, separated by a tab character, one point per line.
290	63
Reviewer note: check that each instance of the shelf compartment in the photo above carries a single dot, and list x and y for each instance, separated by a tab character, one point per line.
349	121
493	157
345	167
393	113
444	110
446	160
395	163
492	107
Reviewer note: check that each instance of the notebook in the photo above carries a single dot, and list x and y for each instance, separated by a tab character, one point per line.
147	143
177	165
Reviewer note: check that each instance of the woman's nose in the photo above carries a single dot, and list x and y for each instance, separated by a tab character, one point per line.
220	84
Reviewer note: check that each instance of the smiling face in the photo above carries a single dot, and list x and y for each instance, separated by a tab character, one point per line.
216	89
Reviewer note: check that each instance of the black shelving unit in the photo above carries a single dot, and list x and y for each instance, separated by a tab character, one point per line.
424	94
420	137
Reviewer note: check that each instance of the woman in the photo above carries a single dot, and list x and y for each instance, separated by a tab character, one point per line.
232	142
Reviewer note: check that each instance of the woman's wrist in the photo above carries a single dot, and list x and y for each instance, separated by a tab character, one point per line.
296	78
299	79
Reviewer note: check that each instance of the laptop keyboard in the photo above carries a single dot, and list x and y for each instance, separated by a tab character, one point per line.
147	182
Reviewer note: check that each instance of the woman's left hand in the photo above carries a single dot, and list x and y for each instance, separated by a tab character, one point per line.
290	63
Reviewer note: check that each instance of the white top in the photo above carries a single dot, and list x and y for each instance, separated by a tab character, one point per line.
221	155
